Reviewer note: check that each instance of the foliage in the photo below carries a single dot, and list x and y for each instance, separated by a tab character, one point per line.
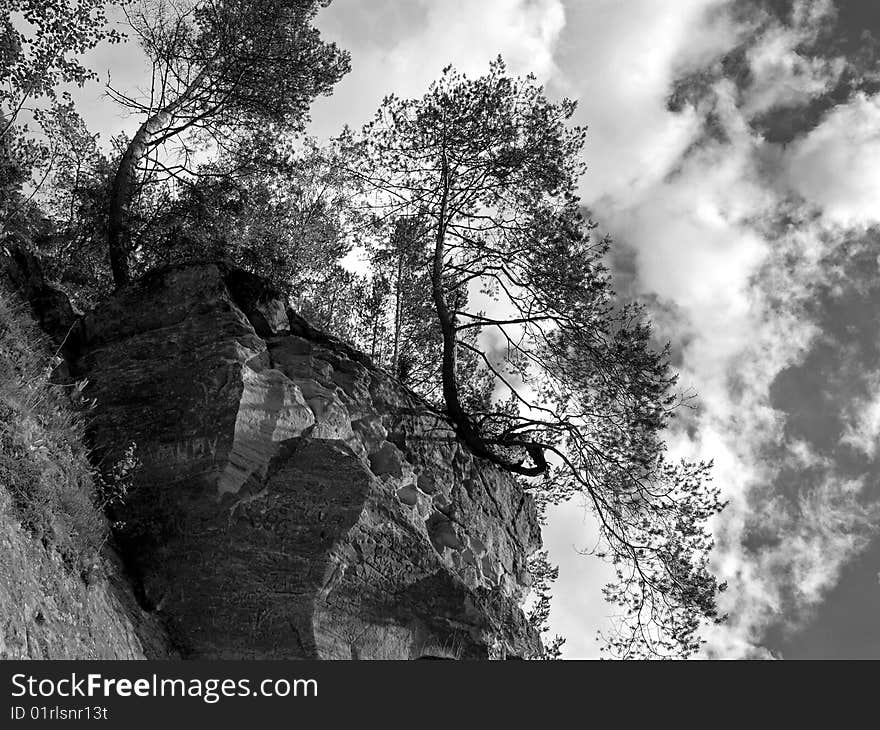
225	65
220	68
403	336
114	487
75	199
20	216
40	48
572	392
40	45
284	219
543	575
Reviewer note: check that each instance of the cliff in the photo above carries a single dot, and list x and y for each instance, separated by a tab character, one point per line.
292	500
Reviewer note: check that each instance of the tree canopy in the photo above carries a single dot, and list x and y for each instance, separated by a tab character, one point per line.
41	42
41	48
219	68
572	393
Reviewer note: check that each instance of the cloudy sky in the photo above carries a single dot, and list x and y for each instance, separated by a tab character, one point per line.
734	156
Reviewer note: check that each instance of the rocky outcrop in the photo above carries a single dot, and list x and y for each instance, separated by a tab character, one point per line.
294	500
21	272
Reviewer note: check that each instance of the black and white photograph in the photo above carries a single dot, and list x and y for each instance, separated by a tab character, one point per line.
538	330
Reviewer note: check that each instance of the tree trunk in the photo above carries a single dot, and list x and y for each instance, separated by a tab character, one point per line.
395	361
122	192
447	325
466	429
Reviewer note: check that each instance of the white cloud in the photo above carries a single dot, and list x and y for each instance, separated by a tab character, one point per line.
702	218
402	47
780	74
837	165
825	528
862	429
619	60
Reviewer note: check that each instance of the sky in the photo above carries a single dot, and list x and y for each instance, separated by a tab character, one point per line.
734	156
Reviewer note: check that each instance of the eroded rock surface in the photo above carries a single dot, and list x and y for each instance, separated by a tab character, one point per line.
293	500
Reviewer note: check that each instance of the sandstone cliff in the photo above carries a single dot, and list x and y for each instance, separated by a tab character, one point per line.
293	500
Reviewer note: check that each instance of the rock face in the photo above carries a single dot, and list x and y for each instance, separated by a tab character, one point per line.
293	500
49	612
21	272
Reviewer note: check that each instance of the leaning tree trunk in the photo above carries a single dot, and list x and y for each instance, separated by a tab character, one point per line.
398	313
447	323
466	429
122	192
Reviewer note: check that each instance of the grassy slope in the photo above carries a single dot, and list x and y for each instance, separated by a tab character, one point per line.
58	597
45	475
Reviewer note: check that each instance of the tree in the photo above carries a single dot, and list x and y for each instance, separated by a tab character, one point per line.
20	217
39	44
543	574
75	201
579	399
396	254
218	67
286	218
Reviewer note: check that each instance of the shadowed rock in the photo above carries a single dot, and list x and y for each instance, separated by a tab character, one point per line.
22	272
294	500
